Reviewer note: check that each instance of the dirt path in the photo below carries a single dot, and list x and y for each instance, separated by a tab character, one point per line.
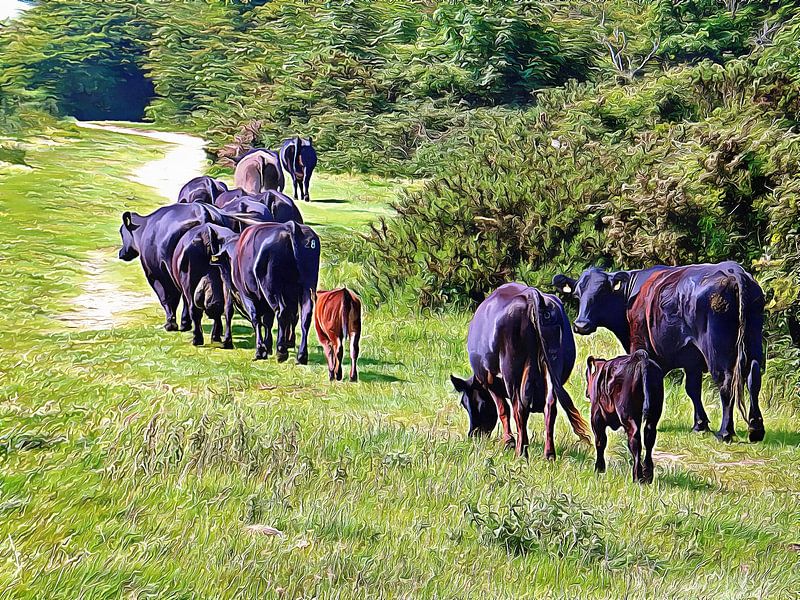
103	304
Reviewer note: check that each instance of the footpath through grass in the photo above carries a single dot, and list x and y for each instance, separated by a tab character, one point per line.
135	465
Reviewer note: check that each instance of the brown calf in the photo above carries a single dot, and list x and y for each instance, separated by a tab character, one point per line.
337	316
622	392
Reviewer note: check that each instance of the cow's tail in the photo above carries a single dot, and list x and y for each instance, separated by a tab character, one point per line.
576	420
648	372
739	375
347	307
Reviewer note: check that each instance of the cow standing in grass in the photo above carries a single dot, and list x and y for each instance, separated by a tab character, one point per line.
337	317
699	318
257	171
521	349
298	159
623	392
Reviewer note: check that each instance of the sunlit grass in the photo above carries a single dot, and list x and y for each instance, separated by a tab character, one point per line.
131	463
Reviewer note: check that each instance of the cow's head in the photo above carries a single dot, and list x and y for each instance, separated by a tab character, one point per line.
129	249
478	403
602	298
222	246
593	366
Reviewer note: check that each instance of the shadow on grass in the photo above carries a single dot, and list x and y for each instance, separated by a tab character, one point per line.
684	480
328	201
777	437
780	437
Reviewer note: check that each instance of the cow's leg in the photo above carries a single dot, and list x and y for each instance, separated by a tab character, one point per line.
755	424
169	302
328	350
726	428
255	320
306	315
550	412
600	440
694	389
649	442
355	343
339	358
268	320
284	323
635	446
197	323
216	329
294	185
187	318
502	413
521	420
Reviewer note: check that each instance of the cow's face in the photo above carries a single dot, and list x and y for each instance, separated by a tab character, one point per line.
129	250
601	298
478	403
593	366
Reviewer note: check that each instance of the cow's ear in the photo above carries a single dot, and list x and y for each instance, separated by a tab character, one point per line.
127	221
459	384
620	280
564	284
591	365
310	141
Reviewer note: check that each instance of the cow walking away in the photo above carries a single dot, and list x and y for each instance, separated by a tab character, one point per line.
298	159
274	269
699	318
257	171
521	349
153	238
337	317
624	392
225	197
201	189
201	283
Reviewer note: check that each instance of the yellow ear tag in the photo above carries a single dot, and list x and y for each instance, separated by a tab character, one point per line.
567	289
617	286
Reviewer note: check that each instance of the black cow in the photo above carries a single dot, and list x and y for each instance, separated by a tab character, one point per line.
153	239
298	159
201	284
698	318
274	268
282	207
521	349
201	189
228	196
247	211
624	391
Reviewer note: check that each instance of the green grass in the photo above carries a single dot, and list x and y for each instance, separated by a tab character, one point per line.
131	463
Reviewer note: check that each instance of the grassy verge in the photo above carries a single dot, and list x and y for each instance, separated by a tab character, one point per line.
133	464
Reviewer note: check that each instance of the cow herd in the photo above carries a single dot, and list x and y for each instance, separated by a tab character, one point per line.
699	318
247	249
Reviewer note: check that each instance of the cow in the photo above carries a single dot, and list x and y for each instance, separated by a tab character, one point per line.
153	239
337	317
521	349
226	197
201	189
257	171
699	318
282	207
622	392
201	284
246	210
273	267
298	159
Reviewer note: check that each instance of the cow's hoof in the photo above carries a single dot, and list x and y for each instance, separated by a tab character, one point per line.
725	437
302	360
170	326
216	340
282	356
700	427
756	434
599	468
550	456
197	341
186	326
261	354
354	378
510	443
227	345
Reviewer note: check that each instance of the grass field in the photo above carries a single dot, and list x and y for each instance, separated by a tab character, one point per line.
134	465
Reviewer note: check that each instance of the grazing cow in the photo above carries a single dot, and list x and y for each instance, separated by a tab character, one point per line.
247	211
337	317
298	159
274	267
226	197
697	318
201	284
257	171
521	349
201	189
623	391
153	239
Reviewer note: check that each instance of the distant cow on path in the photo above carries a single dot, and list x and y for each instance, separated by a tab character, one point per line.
337	317
521	349
699	318
623	392
298	159
257	171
